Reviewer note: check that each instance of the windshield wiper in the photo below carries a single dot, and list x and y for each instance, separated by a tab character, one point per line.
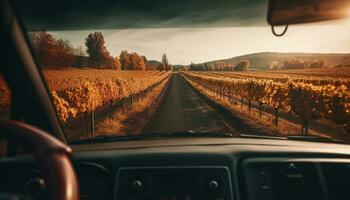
312	138
145	136
243	135
103	138
198	134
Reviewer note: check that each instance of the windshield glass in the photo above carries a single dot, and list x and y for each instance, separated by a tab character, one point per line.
127	68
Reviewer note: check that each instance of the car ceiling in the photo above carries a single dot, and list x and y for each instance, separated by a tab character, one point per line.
122	14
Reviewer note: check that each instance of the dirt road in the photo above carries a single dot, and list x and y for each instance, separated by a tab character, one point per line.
182	109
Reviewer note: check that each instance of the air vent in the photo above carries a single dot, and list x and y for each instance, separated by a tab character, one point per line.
295	181
337	176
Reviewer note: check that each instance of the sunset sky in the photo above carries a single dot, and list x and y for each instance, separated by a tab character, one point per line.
186	45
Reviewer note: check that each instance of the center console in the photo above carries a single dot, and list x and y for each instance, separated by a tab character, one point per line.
174	183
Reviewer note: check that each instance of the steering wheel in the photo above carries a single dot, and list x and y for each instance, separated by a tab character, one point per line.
52	155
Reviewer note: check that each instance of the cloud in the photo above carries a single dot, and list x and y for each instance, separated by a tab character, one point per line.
127	14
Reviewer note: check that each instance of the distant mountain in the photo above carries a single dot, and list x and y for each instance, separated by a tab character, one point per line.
153	64
263	60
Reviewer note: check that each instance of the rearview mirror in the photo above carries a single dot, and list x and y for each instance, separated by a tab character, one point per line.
286	12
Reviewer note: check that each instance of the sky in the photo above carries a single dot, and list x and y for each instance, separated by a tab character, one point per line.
186	30
197	45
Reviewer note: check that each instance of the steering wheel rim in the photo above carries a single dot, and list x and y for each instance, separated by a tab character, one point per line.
52	155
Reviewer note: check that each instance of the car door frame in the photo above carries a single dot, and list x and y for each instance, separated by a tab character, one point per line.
31	100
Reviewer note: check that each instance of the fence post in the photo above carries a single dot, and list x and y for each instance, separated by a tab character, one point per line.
86	119
110	109
131	100
123	106
92	124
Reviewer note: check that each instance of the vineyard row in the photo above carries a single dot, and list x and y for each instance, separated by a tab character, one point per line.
283	78
306	100
89	95
85	122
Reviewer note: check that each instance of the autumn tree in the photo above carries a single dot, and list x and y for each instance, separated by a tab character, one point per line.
132	61
96	49
64	52
50	51
146	62
165	63
117	64
42	43
137	63
165	59
242	65
124	60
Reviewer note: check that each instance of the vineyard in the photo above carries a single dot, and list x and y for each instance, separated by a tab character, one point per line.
305	96
80	91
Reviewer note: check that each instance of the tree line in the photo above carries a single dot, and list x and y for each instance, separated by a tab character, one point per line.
297	64
243	65
219	66
60	53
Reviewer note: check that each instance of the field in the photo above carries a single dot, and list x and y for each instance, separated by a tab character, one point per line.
59	80
310	101
308	94
79	91
334	76
332	71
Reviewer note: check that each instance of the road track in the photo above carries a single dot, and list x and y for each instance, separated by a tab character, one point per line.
182	109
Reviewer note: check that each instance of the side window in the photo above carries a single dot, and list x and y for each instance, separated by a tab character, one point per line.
5	99
5	105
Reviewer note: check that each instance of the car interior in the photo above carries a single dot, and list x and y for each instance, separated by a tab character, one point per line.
39	161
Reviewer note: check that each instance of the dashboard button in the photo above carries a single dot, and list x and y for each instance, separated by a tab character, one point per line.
137	185
34	187
213	185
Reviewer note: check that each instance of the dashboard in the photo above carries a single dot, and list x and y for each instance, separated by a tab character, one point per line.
196	169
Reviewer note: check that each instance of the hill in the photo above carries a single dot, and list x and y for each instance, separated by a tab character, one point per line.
153	63
263	60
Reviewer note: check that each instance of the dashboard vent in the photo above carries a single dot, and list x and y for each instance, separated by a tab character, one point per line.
337	176
297	181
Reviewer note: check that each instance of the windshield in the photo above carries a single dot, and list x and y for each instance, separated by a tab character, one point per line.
131	68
